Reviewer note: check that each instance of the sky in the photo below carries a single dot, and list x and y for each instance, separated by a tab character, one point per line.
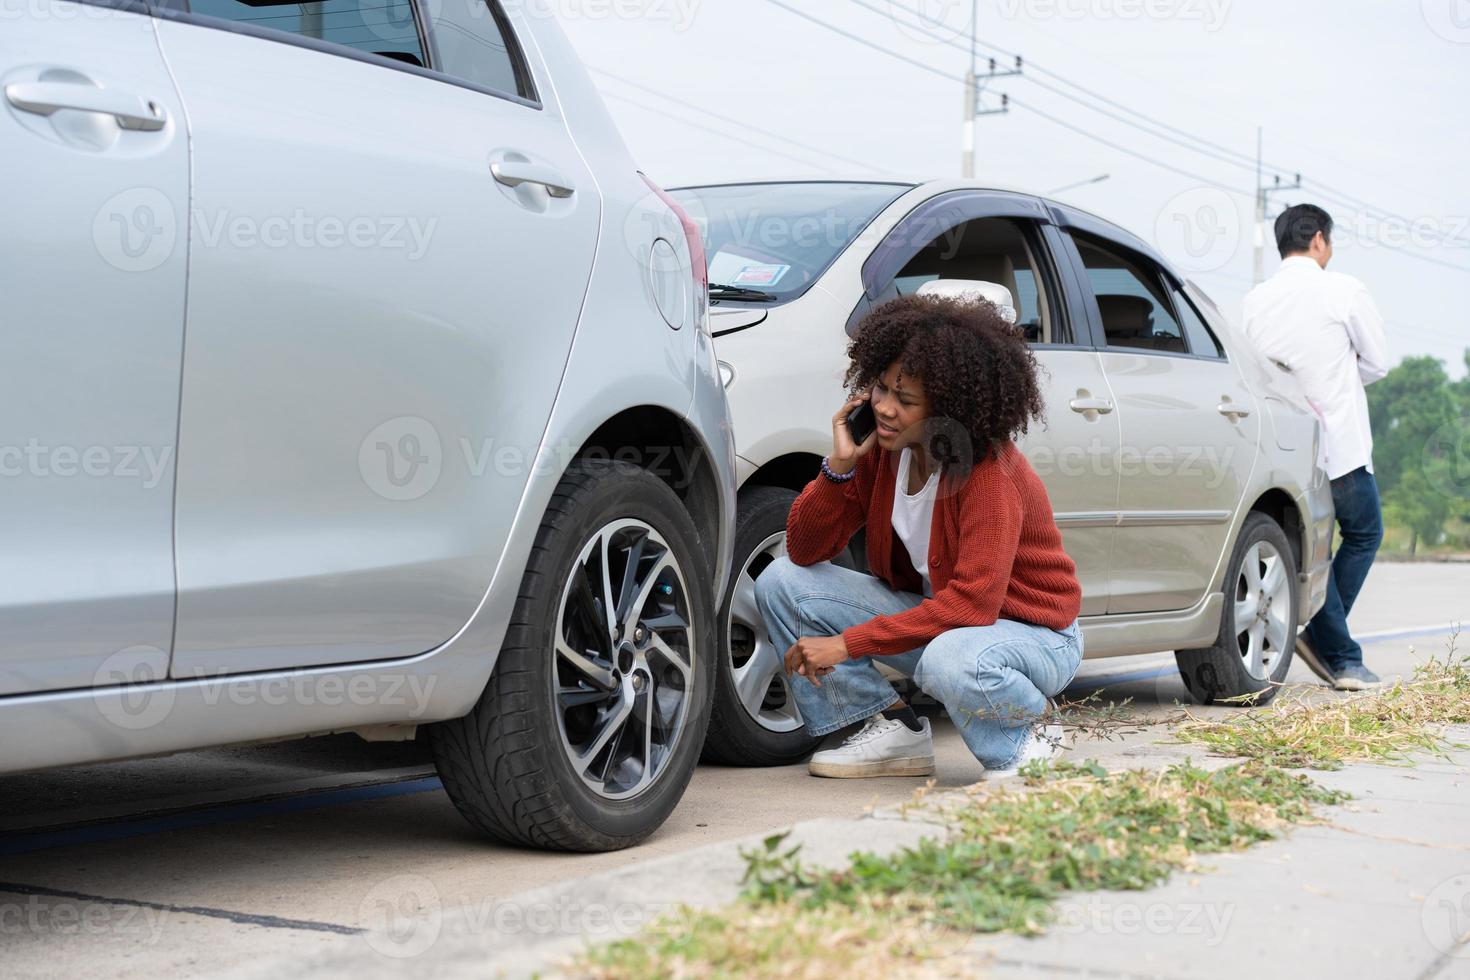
1366	99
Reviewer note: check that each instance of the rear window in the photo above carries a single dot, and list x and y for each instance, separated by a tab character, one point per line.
381	27
779	238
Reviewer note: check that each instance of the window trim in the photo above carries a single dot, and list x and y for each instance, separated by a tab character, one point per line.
1146	262
1181	292
126	6
173	10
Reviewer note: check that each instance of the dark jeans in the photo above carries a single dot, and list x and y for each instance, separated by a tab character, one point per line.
1360	521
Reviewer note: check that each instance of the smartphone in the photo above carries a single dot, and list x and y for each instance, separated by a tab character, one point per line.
861	423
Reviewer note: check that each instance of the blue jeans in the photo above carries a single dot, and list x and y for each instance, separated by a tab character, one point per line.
994	680
1360	522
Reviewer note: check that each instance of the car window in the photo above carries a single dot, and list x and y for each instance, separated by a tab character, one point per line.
1202	339
779	238
1132	299
992	250
381	27
474	44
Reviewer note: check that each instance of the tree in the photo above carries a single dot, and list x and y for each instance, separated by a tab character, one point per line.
1419	427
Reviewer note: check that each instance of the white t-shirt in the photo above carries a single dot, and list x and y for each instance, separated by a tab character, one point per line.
913	517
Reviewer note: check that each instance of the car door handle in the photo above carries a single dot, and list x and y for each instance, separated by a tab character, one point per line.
44	98
1233	411
1099	405
514	173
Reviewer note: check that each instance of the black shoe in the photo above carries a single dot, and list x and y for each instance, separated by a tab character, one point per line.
1355	677
1308	655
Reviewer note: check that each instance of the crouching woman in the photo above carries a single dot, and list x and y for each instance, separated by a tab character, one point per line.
971	594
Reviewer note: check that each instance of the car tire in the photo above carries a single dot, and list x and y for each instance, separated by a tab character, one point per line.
773	734
1252	654
589	730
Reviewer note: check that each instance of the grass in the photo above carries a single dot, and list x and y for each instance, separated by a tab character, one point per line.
1008	856
1302	730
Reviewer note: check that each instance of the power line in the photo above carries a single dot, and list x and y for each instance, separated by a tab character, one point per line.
1124	149
737	122
1223	154
710	129
865	42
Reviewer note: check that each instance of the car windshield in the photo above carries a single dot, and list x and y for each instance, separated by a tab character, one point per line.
769	242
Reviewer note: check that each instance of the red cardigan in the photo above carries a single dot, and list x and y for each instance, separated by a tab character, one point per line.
994	549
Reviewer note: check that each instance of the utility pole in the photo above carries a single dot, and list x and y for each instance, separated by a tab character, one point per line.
974	86
1263	195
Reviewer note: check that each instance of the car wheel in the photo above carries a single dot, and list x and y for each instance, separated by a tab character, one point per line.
590	727
755	720
1258	626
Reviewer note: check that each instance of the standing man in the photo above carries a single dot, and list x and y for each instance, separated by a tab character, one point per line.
1323	327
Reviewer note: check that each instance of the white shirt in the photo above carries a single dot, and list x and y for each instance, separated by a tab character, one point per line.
913	516
1324	328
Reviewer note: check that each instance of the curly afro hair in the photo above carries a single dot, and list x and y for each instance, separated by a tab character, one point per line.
977	370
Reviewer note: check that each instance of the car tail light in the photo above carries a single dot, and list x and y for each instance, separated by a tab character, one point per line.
697	262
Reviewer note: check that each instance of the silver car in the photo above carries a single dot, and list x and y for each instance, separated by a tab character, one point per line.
355	380
1183	472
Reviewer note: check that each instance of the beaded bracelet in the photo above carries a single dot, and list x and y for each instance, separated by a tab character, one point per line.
834	476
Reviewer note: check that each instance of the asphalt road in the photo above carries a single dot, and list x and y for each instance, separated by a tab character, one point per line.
196	862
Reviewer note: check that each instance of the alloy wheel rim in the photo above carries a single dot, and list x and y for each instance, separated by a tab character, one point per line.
754	663
1262	610
624	660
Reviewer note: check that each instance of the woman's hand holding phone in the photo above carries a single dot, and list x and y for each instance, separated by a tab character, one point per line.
845	450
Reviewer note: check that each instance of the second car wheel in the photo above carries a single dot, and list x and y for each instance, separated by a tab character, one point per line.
755	720
1253	651
590	727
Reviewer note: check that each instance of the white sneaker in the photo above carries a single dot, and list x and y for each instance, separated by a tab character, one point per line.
1043	743
882	747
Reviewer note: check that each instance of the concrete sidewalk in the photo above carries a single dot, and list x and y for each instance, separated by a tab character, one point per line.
1381	891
